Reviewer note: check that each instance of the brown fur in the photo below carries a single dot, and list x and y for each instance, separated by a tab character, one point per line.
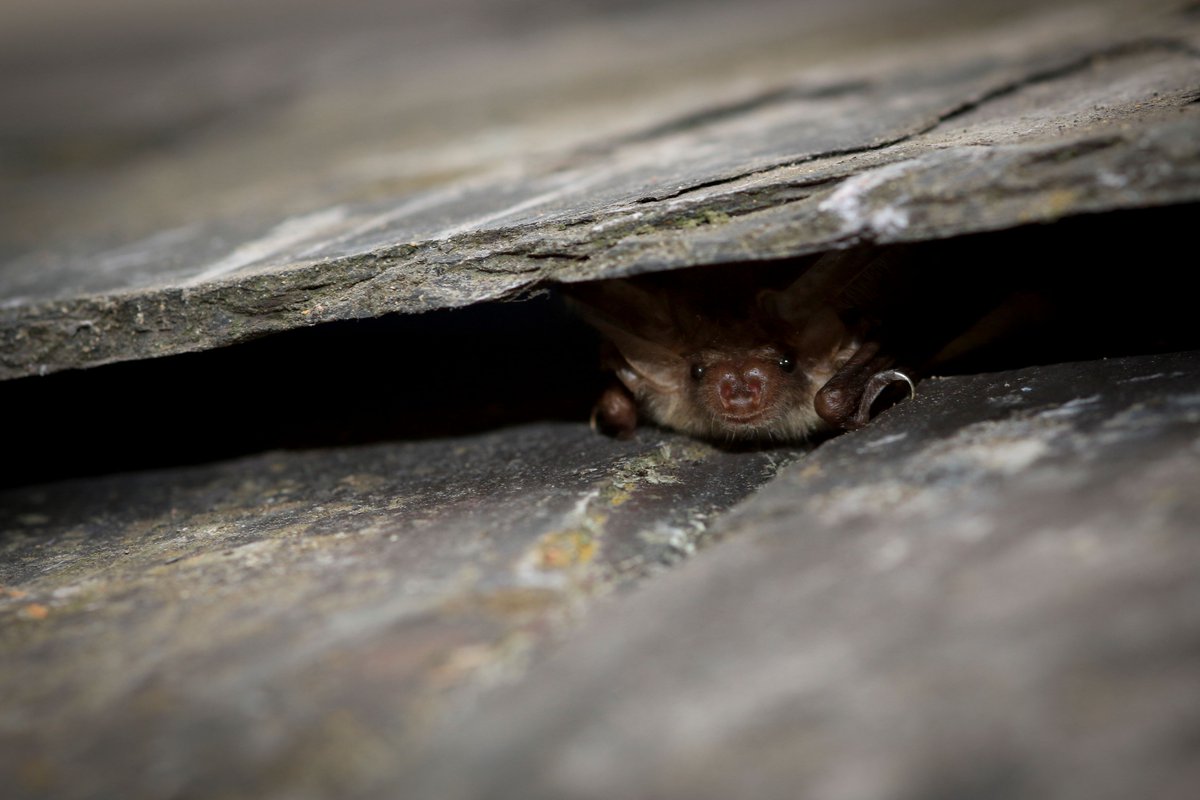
731	353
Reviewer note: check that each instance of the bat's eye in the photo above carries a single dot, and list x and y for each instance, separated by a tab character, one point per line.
787	364
697	372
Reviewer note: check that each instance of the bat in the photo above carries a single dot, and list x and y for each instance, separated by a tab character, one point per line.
775	353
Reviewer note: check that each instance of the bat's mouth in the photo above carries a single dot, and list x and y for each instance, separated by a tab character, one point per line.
744	419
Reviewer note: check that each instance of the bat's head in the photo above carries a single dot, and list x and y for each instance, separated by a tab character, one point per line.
716	361
752	381
737	392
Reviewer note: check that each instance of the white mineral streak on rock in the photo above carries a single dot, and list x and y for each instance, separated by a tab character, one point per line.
885	441
852	200
280	239
145	251
849	201
1072	407
616	219
570	183
380	222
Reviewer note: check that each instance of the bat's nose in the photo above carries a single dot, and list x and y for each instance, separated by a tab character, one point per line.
741	391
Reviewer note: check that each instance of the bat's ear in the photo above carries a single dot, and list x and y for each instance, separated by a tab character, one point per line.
821	337
647	363
860	279
814	289
640	325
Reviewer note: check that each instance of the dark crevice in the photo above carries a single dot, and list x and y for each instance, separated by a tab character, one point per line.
1082	288
1074	150
395	377
724	180
1064	70
555	256
716	114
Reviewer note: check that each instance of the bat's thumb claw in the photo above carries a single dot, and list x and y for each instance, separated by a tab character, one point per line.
891	376
876	386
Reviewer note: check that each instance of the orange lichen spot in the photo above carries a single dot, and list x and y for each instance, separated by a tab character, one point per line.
460	664
511	602
564	549
519	601
36	775
35	611
811	471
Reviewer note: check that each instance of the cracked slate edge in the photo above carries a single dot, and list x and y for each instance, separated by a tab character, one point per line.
1161	168
988	592
768	212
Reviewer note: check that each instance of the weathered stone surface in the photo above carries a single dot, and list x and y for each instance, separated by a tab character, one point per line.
288	625
802	132
991	592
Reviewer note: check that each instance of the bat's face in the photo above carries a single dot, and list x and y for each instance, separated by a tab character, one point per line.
732	393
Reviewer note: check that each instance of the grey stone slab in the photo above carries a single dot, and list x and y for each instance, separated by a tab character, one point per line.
801	129
990	592
292	624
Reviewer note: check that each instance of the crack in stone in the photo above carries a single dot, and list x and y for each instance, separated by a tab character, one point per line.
1063	70
734	109
1121	50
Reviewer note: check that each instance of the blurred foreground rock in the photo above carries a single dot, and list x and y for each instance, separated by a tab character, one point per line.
992	592
289	624
989	592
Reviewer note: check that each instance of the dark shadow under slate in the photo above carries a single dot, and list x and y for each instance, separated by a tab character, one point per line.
417	377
